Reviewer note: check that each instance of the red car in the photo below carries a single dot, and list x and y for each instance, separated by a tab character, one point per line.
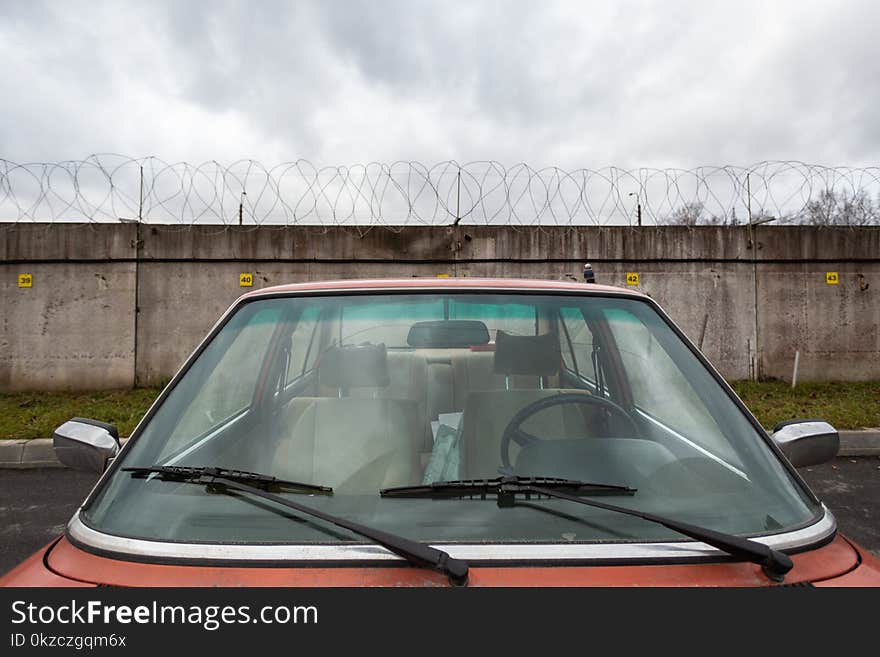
448	432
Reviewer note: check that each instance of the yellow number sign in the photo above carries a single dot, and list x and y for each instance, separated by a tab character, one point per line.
25	280
831	278
632	278
246	280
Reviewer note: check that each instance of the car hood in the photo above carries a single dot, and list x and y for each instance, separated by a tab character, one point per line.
64	562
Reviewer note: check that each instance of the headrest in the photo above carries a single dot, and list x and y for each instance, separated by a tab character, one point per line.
535	355
448	334
357	366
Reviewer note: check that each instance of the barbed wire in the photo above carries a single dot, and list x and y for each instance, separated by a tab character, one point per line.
109	187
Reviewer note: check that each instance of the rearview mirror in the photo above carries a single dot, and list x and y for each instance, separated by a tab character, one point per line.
85	444
807	442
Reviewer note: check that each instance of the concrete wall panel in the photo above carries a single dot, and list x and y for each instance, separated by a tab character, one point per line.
73	330
836	328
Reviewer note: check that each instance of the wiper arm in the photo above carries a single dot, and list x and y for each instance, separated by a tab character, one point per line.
505	488
418	554
207	476
774	563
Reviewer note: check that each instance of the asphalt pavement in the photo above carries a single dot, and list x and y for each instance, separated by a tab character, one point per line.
35	504
850	487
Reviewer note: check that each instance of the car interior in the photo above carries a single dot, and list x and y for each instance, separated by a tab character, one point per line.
370	419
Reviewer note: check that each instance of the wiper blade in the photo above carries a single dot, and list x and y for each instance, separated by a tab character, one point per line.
774	563
207	476
505	488
418	554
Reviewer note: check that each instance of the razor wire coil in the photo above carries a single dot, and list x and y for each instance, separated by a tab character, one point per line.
108	188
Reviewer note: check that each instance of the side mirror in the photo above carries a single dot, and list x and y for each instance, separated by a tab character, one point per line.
807	442
85	444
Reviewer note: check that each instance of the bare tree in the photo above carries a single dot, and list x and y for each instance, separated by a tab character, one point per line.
693	213
688	214
841	208
833	207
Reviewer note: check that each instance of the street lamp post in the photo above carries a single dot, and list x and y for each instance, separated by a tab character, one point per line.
638	207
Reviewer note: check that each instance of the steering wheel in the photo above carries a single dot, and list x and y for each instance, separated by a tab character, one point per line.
514	432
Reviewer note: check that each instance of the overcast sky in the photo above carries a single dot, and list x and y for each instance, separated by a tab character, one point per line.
572	84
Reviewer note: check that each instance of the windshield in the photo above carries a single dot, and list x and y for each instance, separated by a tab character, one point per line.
367	392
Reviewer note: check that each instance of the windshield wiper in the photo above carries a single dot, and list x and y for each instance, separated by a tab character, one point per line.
207	476
506	488
418	554
773	562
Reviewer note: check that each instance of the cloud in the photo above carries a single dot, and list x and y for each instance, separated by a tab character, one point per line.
571	84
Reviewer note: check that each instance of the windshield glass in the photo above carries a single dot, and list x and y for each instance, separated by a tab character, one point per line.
366	392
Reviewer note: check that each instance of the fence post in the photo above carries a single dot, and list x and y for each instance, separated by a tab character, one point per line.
458	200
141	197
753	245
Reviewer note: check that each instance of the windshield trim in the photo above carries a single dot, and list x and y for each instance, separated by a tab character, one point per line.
82	535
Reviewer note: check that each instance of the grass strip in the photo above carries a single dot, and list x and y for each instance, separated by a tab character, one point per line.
845	405
37	414
850	405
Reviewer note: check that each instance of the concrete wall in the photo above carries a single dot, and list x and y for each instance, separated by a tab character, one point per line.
76	328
